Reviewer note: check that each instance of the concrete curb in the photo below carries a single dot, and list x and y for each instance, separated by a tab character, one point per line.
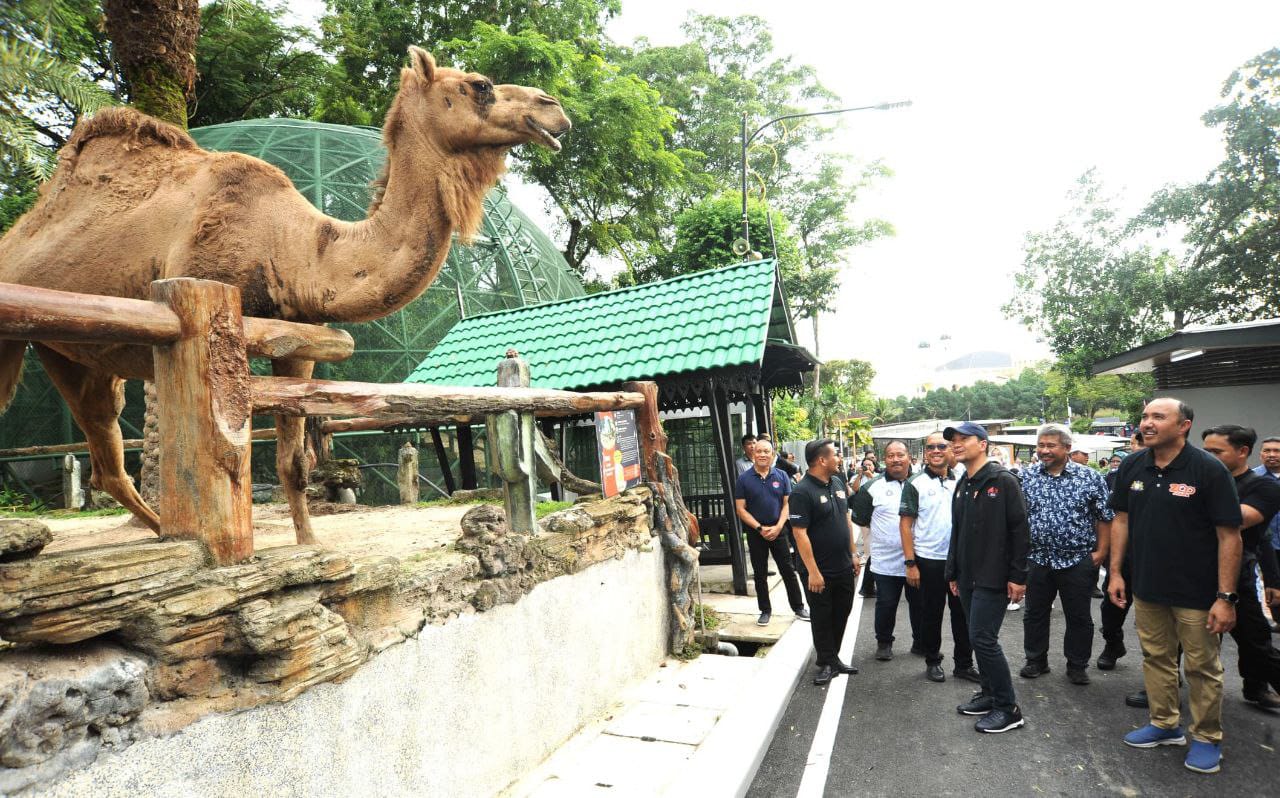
727	760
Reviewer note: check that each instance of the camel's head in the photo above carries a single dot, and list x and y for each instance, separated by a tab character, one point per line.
465	111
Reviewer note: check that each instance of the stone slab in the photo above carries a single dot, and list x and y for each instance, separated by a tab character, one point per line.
608	765
672	723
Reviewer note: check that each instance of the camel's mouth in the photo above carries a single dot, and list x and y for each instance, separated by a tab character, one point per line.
545	137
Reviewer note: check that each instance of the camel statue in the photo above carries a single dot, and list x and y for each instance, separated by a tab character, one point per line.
135	200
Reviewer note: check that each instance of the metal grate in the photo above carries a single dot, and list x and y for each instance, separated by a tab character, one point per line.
1249	366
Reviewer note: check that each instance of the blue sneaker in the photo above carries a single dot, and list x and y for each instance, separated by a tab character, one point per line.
1203	757
1150	736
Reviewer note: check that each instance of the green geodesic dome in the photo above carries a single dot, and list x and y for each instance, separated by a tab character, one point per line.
511	264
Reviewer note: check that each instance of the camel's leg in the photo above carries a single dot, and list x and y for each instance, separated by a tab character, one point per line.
11	353
96	399
291	453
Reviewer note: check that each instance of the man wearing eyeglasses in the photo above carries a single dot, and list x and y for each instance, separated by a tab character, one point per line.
925	528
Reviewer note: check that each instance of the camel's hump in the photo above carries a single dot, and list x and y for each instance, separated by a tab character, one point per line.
132	124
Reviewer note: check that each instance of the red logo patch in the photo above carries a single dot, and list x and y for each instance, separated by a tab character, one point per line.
1181	490
775	483
993	491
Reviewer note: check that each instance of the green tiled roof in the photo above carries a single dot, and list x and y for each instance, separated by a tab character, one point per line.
707	320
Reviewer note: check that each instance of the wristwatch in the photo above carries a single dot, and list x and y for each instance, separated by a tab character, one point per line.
1230	598
759	530
909	563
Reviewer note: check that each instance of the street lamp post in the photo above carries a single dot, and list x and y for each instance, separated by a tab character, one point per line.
747	139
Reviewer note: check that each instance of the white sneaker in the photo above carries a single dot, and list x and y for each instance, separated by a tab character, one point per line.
1014	605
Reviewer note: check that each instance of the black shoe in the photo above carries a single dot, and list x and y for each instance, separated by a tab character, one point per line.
884	651
1266	700
979	704
1110	653
918	650
968	673
934	673
1033	669
1077	676
802	614
825	674
997	720
1097	592
1137	700
764	619
840	667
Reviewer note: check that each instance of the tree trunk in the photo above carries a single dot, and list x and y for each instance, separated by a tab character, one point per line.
155	44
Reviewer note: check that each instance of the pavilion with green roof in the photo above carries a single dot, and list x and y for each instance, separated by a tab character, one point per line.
710	340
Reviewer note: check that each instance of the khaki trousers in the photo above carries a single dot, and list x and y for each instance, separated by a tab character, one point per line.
1161	629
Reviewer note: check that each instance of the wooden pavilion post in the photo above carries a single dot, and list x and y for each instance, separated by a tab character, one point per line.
719	405
442	457
748	413
548	426
466	456
764	422
205	415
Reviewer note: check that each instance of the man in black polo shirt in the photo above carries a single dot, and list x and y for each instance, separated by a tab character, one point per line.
1178	516
824	537
1259	661
761	498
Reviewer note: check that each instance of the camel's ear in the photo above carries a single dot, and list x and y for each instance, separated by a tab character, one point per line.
423	64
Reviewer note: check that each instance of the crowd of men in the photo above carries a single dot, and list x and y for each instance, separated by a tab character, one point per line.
1182	533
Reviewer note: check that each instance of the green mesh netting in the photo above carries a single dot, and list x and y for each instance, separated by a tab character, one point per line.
511	264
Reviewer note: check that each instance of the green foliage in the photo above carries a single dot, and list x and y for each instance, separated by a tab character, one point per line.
1018	398
40	86
1231	219
704	232
251	66
18	193
1082	424
791	419
851	376
1089	289
610	179
884	411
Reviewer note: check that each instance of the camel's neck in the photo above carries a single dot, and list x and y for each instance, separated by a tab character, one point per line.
372	268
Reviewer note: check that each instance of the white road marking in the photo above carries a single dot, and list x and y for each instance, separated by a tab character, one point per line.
818	763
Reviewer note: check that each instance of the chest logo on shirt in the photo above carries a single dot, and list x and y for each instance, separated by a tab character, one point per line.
822	499
993	491
840	493
775	484
1182	491
1138	486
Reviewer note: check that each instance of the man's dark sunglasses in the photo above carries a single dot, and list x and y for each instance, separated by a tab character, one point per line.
937	447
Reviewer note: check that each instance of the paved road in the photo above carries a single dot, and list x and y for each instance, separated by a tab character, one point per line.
900	734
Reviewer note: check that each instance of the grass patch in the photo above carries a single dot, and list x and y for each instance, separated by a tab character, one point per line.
547	508
702	613
6	512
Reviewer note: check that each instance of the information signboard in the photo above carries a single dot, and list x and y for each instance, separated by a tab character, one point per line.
618	444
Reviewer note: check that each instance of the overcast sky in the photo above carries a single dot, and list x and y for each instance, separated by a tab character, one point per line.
1012	102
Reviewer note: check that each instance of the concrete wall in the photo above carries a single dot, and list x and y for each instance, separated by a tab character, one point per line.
463	709
1256	406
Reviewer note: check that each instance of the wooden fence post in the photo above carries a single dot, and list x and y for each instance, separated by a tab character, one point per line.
72	490
510	449
205	404
407	474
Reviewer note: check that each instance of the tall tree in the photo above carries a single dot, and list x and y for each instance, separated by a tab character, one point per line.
155	44
1231	219
1092	291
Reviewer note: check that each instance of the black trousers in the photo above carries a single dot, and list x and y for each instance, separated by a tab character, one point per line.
985	609
888	594
1259	661
829	614
780	548
1112	617
1074	586
935	595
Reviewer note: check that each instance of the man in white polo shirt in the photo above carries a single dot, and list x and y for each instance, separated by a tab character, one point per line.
925	530
876	506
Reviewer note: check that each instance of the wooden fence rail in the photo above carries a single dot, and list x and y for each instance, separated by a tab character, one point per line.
42	314
207	397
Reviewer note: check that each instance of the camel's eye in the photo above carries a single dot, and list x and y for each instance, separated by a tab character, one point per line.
482	87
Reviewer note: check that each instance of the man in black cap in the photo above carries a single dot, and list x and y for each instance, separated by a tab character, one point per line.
824	537
987	568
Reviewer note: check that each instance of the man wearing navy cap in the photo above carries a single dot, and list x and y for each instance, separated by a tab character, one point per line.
987	567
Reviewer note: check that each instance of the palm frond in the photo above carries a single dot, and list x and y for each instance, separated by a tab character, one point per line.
20	141
26	68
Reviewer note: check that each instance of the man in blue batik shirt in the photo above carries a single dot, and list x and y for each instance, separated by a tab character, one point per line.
1070	537
1270	468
